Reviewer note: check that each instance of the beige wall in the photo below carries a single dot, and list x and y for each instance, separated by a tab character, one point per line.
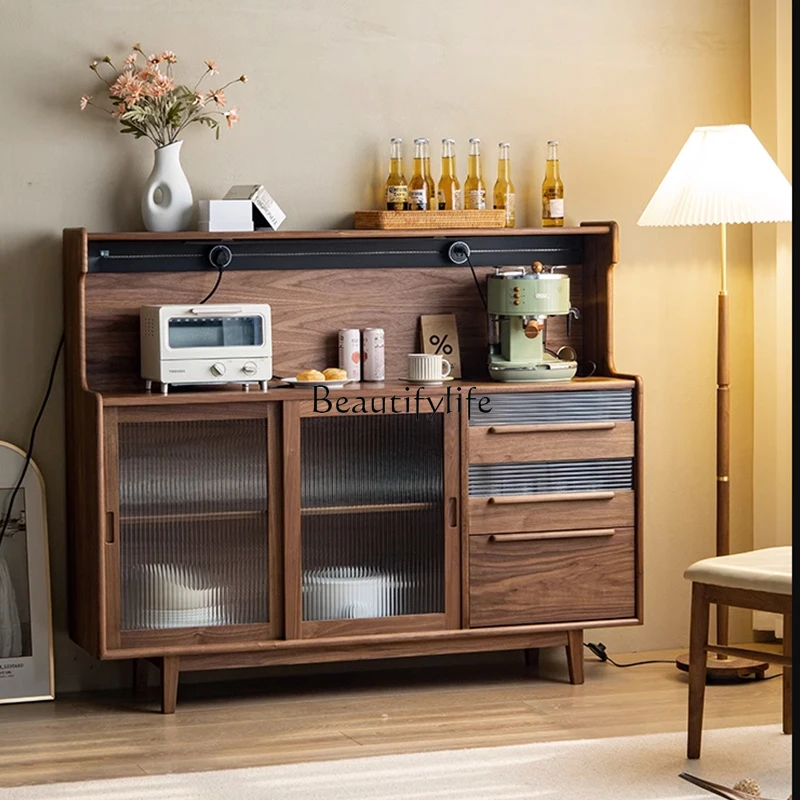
620	83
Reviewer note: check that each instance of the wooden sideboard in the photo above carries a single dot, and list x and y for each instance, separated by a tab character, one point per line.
213	528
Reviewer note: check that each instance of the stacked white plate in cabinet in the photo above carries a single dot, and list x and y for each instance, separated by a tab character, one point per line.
171	596
352	593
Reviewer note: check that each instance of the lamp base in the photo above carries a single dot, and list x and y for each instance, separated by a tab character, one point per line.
726	667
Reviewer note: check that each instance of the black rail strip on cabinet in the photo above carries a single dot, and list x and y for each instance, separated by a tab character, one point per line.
139	255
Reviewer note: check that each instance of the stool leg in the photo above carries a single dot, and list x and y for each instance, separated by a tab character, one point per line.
698	640
787	674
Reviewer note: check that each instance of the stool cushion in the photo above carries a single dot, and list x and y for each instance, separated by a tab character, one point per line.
766	570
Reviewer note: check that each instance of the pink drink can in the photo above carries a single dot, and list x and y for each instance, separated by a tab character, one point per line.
350	352
372	355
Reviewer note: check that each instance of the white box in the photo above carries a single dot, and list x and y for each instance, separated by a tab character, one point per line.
225	215
266	212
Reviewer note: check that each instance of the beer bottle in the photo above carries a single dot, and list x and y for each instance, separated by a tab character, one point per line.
449	193
474	186
552	190
503	188
396	185
426	169
418	189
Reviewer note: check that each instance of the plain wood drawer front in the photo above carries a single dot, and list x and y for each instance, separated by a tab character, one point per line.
565	441
551	512
589	575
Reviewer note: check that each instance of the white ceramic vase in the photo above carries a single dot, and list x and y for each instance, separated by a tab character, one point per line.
167	200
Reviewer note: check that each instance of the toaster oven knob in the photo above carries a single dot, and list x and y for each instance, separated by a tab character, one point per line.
249	368
218	368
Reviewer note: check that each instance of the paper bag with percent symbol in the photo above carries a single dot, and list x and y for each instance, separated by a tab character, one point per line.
439	334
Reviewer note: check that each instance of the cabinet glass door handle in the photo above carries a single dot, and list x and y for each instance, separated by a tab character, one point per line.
111	527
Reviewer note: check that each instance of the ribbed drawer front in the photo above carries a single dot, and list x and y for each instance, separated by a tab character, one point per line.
547	477
494	444
537	408
555	512
589	575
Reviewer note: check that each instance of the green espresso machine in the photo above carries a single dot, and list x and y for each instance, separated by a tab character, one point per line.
519	300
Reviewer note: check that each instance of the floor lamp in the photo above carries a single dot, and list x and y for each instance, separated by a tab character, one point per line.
723	175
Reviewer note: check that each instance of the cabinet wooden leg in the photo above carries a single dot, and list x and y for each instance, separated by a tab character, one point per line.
531	658
140	670
575	656
170	670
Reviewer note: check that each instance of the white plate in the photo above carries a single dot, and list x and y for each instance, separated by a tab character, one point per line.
329	384
419	382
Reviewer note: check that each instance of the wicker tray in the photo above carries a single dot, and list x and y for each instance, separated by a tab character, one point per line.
422	220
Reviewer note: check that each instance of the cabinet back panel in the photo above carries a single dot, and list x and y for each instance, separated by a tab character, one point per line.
308	309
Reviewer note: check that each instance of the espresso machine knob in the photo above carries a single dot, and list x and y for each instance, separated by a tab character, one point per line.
218	368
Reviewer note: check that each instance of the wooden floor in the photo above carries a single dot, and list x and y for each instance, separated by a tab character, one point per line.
312	717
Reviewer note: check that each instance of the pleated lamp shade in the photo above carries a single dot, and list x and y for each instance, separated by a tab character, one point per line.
722	175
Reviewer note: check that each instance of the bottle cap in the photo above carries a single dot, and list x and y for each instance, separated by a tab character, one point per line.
474	140
552	141
504	144
452	141
396	139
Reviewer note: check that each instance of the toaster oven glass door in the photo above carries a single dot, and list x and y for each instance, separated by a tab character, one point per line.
187	332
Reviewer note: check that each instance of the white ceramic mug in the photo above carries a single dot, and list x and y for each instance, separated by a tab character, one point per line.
427	367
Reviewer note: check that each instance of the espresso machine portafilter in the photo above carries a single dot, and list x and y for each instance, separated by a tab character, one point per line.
519	301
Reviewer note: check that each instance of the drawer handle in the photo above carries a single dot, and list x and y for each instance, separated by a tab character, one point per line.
555	428
566	497
532	537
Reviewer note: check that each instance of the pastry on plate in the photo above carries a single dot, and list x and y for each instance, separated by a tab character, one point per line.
335	374
310	375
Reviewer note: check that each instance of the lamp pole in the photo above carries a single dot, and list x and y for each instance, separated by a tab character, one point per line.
723	430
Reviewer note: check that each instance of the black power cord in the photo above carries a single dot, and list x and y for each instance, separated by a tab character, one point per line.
29	453
599	650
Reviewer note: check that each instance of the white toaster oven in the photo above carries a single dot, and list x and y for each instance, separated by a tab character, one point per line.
206	344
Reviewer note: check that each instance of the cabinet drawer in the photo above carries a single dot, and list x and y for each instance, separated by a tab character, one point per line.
526	579
551	512
552	442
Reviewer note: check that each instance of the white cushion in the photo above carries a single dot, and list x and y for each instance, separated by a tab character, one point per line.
765	570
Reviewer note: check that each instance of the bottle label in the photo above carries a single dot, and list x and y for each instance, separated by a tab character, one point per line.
510	203
556	208
418	200
458	200
397	194
476	199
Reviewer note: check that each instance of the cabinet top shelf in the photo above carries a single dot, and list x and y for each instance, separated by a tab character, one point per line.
347	233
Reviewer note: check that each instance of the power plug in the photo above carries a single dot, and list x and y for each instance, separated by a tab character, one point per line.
599	650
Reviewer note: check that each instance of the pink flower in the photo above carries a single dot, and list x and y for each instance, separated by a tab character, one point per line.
124	84
163	82
85	101
212	66
217	95
232	117
169	57
119	110
153	60
199	100
130	59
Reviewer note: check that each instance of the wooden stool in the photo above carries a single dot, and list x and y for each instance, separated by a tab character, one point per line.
760	580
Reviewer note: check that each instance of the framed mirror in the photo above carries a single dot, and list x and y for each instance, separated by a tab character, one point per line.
26	630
